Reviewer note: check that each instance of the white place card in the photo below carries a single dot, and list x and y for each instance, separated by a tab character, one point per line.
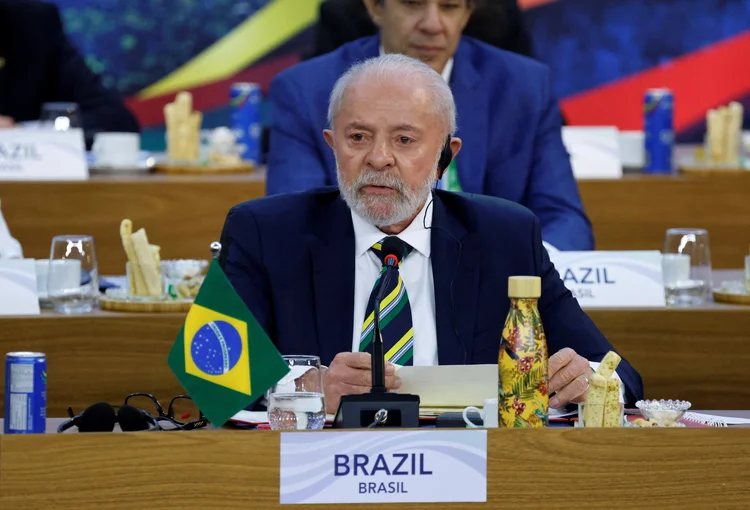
398	466
594	151
29	154
18	291
602	279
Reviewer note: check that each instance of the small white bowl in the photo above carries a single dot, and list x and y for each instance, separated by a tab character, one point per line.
663	412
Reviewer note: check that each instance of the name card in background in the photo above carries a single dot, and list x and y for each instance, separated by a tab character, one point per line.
602	279
18	291
427	466
30	154
594	151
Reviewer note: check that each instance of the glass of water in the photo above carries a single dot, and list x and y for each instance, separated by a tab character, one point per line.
60	116
296	402
686	263
72	278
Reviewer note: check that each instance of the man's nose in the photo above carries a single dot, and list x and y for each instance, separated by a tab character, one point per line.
380	155
431	22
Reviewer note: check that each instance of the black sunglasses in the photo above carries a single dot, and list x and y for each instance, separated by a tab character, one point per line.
169	416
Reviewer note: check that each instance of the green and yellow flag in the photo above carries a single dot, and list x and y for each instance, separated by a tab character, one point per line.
222	357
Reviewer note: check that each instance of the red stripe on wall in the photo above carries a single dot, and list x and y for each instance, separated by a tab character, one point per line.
150	112
700	80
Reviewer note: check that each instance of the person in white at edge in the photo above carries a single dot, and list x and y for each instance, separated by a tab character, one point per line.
9	247
568	377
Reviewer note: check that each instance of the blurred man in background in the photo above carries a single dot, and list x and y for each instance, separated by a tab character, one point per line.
38	64
496	22
506	113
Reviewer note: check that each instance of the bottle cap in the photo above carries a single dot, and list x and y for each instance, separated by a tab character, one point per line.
529	287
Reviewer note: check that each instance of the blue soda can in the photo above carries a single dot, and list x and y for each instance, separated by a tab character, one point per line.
659	130
25	393
245	99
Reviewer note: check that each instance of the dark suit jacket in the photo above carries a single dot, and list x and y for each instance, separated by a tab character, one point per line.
41	65
508	119
291	259
496	22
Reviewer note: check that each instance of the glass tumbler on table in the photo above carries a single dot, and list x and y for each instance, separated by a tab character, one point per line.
296	402
687	267
73	279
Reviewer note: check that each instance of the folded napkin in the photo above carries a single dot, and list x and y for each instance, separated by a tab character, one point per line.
9	247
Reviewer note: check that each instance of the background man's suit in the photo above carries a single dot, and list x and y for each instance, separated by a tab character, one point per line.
41	65
508	119
291	259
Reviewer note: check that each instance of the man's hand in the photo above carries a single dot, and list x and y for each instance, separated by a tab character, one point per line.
569	376
6	122
351	373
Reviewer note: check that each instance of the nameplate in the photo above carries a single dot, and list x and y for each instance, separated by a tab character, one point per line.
398	466
594	151
18	290
602	279
31	154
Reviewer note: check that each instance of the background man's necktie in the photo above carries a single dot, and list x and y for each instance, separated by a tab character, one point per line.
395	316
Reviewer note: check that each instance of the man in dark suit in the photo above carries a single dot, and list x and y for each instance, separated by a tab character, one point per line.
38	64
507	116
306	264
496	22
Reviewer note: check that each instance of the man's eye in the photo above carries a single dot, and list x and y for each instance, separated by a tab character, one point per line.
357	137
405	140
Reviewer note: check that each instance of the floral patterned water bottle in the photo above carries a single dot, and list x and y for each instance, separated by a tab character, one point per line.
523	392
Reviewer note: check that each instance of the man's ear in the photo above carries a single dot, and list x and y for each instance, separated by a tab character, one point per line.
456	144
375	10
328	135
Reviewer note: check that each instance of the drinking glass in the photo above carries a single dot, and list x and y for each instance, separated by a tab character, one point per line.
60	116
296	402
73	278
687	267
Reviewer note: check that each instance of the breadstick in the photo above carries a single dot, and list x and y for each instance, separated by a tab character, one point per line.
151	274
609	364
712	122
734	131
612	403
593	413
156	254
137	283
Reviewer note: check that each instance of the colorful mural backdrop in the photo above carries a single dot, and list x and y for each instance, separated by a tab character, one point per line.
603	53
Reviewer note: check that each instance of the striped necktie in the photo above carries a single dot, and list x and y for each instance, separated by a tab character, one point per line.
395	316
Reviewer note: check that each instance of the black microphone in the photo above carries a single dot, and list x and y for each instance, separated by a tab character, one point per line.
380	408
391	251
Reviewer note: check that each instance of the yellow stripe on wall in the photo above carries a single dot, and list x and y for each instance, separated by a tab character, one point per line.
254	38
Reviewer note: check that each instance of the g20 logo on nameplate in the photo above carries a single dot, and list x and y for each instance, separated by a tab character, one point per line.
428	466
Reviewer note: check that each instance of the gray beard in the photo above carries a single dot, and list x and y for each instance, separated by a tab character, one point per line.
403	206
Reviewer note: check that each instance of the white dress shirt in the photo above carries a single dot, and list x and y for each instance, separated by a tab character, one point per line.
416	273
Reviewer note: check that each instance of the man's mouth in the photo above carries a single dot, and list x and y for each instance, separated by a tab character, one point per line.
374	189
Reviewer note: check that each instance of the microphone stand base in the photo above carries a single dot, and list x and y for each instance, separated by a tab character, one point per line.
358	411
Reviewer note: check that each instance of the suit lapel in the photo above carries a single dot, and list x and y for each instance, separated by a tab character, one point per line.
332	254
455	308
472	120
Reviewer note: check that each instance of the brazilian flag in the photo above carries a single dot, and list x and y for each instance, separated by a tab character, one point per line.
222	357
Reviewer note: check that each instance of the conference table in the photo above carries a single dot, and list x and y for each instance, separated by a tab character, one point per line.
184	214
697	354
567	468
